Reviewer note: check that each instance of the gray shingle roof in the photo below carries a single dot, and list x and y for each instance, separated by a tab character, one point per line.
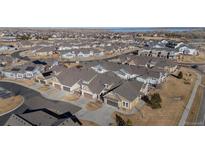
129	90
73	75
39	118
98	83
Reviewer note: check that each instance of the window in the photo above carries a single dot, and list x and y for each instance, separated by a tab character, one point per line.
123	103
66	88
126	104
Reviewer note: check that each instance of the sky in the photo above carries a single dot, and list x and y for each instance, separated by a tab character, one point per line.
101	13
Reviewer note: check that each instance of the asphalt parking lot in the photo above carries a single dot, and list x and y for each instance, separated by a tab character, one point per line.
34	100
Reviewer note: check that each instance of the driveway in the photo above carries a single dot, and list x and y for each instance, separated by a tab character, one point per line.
34	100
102	116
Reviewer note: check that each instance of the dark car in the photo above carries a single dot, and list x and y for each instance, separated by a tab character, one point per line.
194	66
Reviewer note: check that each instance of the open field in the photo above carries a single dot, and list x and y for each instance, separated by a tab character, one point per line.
175	94
193	59
9	103
92	106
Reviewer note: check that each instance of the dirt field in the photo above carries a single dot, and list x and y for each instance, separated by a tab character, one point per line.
174	94
9	103
193	59
92	106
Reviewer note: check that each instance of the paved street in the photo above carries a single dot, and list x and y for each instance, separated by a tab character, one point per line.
17	55
34	100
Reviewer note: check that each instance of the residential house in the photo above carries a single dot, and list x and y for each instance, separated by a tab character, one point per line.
24	71
126	96
154	62
6	48
26	44
70	80
45	51
99	69
100	84
42	117
188	51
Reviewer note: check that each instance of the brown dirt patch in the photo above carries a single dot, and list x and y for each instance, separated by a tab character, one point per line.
193	59
71	97
92	106
10	103
43	88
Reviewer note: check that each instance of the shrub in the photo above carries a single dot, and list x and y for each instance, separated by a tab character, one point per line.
186	82
129	122
155	101
120	121
180	76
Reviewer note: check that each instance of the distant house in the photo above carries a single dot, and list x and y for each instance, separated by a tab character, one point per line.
26	44
188	51
69	55
85	54
79	53
141	74
139	60
6	48
97	53
45	51
23	71
122	73
99	69
152	62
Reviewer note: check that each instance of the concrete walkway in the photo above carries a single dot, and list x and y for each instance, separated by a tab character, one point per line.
191	100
